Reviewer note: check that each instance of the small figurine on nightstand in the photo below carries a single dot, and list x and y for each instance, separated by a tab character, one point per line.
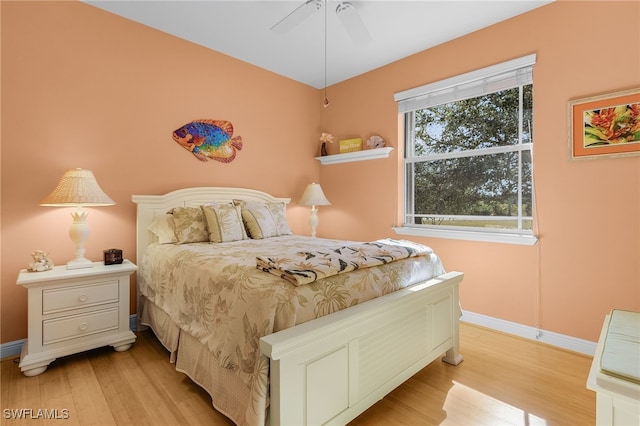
41	262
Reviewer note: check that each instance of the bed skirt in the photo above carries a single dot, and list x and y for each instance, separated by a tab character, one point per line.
194	360
167	332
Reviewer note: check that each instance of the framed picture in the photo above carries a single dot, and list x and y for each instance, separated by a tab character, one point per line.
605	125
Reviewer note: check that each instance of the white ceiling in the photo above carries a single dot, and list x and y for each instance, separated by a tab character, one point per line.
241	29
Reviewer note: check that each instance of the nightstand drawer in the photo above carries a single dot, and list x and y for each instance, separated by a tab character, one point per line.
79	325
56	300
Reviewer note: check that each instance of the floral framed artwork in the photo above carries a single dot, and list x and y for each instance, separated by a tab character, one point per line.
605	125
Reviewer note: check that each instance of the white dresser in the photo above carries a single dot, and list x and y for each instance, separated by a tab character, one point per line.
615	370
74	310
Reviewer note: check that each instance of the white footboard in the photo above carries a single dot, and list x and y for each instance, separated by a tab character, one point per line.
332	369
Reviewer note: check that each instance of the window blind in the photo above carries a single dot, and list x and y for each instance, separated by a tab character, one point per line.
476	83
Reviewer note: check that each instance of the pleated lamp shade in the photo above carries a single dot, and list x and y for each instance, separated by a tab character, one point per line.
313	196
78	187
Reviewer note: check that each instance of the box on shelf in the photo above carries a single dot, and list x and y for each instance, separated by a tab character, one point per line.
350	145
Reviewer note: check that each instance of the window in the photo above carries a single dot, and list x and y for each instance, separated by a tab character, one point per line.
468	155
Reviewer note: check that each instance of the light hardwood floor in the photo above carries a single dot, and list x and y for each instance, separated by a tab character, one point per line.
504	380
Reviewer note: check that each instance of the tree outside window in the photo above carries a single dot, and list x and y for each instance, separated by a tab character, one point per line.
469	162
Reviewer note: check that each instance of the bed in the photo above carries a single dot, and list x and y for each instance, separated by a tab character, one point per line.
285	348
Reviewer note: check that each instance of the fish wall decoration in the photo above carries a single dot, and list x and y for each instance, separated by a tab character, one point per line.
209	139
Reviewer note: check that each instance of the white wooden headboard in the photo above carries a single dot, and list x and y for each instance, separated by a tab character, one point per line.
150	206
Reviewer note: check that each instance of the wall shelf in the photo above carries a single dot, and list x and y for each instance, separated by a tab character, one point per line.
347	157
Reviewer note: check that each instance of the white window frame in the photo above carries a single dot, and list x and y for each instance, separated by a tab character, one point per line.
497	77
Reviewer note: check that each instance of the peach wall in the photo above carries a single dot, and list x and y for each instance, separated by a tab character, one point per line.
84	88
587	260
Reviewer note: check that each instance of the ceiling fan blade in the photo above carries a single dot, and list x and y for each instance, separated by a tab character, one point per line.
353	23
298	15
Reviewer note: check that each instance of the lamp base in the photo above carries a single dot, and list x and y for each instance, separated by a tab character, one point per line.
79	263
313	220
79	232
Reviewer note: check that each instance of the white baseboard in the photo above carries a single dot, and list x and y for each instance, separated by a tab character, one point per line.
14	348
574	344
555	339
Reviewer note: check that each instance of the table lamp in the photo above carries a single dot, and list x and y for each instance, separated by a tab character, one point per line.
313	196
78	187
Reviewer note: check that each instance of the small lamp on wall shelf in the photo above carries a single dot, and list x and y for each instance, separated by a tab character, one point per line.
313	196
78	188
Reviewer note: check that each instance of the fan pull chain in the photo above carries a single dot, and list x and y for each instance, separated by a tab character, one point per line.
325	103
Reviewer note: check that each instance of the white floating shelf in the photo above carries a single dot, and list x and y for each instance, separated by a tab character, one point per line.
347	157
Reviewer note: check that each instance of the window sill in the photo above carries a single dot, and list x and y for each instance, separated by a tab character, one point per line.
365	154
468	235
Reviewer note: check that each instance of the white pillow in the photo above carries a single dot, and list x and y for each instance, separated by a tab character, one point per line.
163	228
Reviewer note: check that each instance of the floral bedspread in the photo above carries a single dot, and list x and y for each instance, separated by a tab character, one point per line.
216	294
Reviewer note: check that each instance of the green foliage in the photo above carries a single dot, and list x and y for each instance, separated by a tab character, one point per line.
480	182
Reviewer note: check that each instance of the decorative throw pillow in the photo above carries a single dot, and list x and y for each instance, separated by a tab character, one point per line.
264	220
257	219
190	226
224	223
279	213
163	228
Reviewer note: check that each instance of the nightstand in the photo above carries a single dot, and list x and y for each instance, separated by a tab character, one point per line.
74	310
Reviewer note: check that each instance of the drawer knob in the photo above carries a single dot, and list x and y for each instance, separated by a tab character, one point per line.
83	298
83	326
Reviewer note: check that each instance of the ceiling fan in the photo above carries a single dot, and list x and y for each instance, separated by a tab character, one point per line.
346	12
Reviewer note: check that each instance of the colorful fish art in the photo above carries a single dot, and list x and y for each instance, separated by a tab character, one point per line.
209	139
